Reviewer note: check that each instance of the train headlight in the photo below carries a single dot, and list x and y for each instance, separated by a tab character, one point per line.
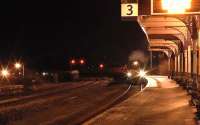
142	73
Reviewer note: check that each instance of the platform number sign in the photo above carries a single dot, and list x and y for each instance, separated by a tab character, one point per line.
129	10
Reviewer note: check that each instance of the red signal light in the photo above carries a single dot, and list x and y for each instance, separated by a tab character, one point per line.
73	61
101	66
82	61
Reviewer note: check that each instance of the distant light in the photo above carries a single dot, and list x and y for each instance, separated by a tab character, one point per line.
82	61
101	66
18	65
142	73
5	73
44	73
176	6
135	63
73	61
129	74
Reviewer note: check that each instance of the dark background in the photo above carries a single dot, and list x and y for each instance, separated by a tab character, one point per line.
47	34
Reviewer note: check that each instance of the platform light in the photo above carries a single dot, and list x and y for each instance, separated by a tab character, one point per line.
5	73
176	6
18	65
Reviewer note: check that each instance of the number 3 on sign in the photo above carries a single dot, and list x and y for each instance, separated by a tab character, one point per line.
129	10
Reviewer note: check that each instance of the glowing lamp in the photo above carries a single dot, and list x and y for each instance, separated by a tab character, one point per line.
5	73
101	66
73	61
82	61
18	65
176	6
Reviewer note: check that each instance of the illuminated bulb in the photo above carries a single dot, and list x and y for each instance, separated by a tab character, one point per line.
18	65
176	6
101	66
73	61
5	73
82	61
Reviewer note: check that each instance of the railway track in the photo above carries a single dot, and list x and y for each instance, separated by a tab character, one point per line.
86	102
87	113
43	94
16	108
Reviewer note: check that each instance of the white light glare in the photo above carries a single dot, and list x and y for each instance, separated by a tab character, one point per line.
176	6
142	73
129	74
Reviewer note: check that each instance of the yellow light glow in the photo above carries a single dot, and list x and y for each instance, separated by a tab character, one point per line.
176	6
18	65
142	73
5	73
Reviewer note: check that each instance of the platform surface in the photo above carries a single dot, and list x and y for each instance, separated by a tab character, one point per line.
163	102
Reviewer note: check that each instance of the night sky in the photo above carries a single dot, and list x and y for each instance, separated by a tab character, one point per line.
46	34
